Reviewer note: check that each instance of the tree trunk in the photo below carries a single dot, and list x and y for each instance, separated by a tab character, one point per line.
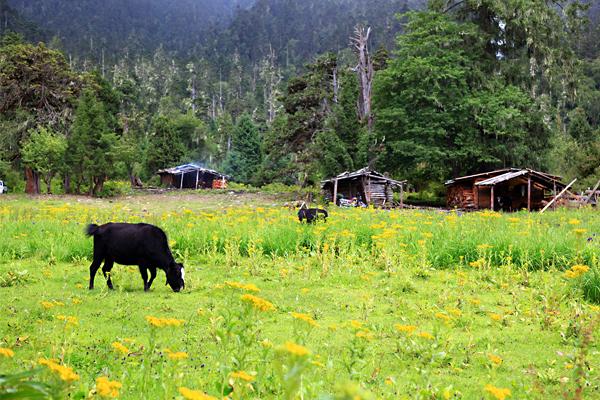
67	183
48	181
32	185
365	72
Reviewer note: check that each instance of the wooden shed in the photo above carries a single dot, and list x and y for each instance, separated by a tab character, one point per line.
364	185
507	189
192	176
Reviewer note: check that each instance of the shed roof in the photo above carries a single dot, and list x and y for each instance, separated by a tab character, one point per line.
506	174
363	172
191	167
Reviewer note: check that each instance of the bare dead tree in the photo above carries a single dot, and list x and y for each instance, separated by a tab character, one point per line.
364	69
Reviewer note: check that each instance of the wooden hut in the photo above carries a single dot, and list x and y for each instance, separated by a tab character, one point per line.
192	176
364	185
508	189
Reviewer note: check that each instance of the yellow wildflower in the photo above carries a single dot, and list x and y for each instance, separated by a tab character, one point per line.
243	375
47	304
495	359
69	320
194	394
576	271
248	286
106	388
179	355
569	366
443	317
425	335
454	311
162	322
305	290
498	393
484	246
66	374
364	334
574	221
295	349
495	317
306	318
579	231
258	303
318	364
6	352
120	348
477	264
356	324
408	329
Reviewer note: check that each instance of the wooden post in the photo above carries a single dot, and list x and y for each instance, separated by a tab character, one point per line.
529	193
478	197
554	195
402	196
369	185
197	173
181	183
335	185
492	197
592	194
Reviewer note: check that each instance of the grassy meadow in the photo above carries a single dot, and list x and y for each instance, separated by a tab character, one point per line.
372	304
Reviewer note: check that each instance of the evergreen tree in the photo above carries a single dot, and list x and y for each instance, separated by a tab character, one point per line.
165	148
91	146
244	159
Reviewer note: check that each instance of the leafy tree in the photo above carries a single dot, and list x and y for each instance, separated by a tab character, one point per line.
244	159
91	146
44	152
438	111
165	147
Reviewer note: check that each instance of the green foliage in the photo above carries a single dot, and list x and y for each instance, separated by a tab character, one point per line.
244	158
91	146
114	189
439	115
165	147
44	152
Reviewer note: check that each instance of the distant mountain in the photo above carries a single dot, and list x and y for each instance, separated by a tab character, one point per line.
85	26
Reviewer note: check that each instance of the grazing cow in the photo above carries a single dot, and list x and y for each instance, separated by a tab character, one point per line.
143	245
311	215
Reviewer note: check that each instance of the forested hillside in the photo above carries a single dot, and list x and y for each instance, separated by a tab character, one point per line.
292	91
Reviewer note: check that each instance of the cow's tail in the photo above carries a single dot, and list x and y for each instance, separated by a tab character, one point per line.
91	229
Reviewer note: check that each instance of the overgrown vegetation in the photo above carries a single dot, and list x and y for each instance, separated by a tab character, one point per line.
467	86
380	304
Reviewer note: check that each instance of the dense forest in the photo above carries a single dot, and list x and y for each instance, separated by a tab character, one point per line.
293	91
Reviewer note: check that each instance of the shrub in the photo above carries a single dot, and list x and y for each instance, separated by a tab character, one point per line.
115	189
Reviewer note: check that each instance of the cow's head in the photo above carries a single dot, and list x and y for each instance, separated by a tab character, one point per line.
176	276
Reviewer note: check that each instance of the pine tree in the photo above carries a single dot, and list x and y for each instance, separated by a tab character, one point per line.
90	151
245	157
165	147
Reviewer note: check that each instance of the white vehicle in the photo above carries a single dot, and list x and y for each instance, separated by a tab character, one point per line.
3	189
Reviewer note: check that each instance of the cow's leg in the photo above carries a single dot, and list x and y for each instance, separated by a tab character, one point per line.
93	269
98	257
152	276
108	264
144	272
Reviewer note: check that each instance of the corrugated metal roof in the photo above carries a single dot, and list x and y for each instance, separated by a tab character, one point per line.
504	171
502	178
191	167
363	172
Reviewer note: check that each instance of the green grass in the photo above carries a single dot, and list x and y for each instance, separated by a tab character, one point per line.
482	285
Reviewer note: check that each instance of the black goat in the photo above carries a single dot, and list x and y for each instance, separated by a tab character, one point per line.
311	215
143	245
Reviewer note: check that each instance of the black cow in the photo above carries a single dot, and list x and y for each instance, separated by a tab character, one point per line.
312	214
143	245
